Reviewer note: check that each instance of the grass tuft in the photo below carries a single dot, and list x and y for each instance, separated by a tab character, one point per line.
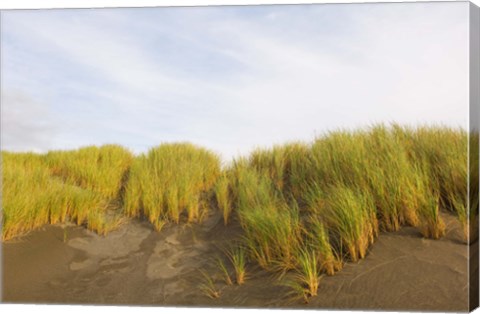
170	180
306	279
208	286
237	257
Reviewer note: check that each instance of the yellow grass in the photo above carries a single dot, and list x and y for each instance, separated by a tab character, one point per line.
80	185
302	207
170	180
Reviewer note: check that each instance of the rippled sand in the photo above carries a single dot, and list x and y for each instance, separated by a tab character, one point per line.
138	266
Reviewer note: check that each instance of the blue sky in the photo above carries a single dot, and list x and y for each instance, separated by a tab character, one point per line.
228	78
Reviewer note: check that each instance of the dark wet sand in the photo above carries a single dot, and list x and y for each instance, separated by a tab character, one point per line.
138	266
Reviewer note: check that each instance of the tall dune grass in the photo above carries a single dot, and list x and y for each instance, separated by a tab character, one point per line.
286	166
238	259
332	197
271	226
303	207
369	160
79	185
223	197
350	216
170	180
99	169
403	175
318	238
305	281
32	197
442	155
471	227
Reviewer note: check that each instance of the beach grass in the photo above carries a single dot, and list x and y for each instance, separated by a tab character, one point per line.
318	238
223	197
36	192
335	195
238	259
224	270
272	230
208	286
304	209
306	278
171	180
102	170
330	197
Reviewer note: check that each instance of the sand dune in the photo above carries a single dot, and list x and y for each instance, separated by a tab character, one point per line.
138	266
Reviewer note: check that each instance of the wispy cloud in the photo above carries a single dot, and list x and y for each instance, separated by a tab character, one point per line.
25	123
231	78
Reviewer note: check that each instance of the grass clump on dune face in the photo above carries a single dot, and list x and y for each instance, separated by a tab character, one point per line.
99	169
238	259
402	176
318	237
428	200
287	167
272	235
271	227
208	286
272	163
471	228
21	207
307	276
441	154
333	197
170	180
350	215
32	197
223	197
380	161
373	161
390	174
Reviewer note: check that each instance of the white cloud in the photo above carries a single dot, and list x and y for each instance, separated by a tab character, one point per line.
25	123
234	78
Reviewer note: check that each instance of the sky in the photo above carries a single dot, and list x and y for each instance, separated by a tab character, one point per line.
228	78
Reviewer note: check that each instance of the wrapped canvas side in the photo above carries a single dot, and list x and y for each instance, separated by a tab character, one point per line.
474	151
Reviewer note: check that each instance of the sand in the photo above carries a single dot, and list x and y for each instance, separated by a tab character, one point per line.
135	265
